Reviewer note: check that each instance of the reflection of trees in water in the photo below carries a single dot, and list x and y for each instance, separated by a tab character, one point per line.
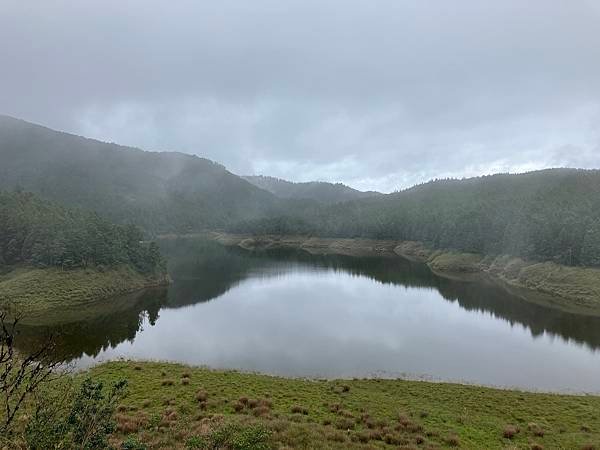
205	270
471	296
102	332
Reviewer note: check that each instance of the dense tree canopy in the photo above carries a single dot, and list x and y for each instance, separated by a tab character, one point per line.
551	215
38	232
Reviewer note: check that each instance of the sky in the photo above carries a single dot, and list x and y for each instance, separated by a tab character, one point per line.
378	94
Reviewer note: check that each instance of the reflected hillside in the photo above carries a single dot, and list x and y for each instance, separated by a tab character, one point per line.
92	336
203	270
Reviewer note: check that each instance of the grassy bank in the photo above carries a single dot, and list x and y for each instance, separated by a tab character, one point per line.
574	289
42	294
173	406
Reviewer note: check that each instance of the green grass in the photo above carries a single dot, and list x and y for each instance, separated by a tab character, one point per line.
169	405
45	294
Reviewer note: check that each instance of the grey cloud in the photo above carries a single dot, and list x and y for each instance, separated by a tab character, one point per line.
378	94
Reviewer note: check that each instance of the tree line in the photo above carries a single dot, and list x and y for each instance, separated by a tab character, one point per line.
551	215
37	232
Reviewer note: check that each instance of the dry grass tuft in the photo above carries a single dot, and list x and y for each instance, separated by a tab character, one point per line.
453	441
536	429
167	382
510	431
345	424
131	424
297	409
201	395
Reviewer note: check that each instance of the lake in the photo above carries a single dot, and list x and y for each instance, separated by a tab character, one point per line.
295	314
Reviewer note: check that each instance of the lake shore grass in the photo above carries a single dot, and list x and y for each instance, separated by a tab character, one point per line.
47	295
573	289
175	406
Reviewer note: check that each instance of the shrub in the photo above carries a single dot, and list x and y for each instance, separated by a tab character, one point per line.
90	419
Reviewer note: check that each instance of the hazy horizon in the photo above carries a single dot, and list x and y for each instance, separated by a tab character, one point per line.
378	96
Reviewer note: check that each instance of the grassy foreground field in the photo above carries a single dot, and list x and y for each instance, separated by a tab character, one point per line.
174	406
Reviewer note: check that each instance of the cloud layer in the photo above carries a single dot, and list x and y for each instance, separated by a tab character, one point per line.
378	94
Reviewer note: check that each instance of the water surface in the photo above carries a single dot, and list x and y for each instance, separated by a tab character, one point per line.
294	314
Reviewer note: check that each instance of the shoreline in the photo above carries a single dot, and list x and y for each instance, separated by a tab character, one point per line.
48	295
572	289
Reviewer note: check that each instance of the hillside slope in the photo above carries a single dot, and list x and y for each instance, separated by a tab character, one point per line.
549	215
315	190
160	191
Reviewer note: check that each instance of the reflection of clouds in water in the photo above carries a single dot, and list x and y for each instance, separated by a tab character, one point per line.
334	324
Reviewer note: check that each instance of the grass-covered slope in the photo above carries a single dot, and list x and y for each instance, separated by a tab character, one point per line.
45	296
159	191
173	406
52	258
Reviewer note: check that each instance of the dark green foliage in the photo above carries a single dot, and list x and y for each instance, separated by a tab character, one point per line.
81	420
158	191
551	215
132	443
91	415
37	232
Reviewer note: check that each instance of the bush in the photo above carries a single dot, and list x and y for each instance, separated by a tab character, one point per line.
82	419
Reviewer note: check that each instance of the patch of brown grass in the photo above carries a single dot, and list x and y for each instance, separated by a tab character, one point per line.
131	424
510	431
167	382
453	441
345	424
297	409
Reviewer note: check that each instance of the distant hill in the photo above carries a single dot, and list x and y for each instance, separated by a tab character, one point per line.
159	191
548	215
315	190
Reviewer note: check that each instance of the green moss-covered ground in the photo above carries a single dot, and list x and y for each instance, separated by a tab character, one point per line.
173	406
42	294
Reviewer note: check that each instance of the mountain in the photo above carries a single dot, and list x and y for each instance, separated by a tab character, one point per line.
159	191
548	215
315	190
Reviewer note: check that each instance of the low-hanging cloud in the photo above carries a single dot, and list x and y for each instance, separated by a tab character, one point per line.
378	94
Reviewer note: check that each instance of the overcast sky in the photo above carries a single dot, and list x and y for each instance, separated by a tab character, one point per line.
378	94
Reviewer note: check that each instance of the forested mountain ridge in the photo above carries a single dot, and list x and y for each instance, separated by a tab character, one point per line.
159	191
40	233
548	215
315	190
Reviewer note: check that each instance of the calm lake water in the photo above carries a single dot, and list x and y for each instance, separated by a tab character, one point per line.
290	313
